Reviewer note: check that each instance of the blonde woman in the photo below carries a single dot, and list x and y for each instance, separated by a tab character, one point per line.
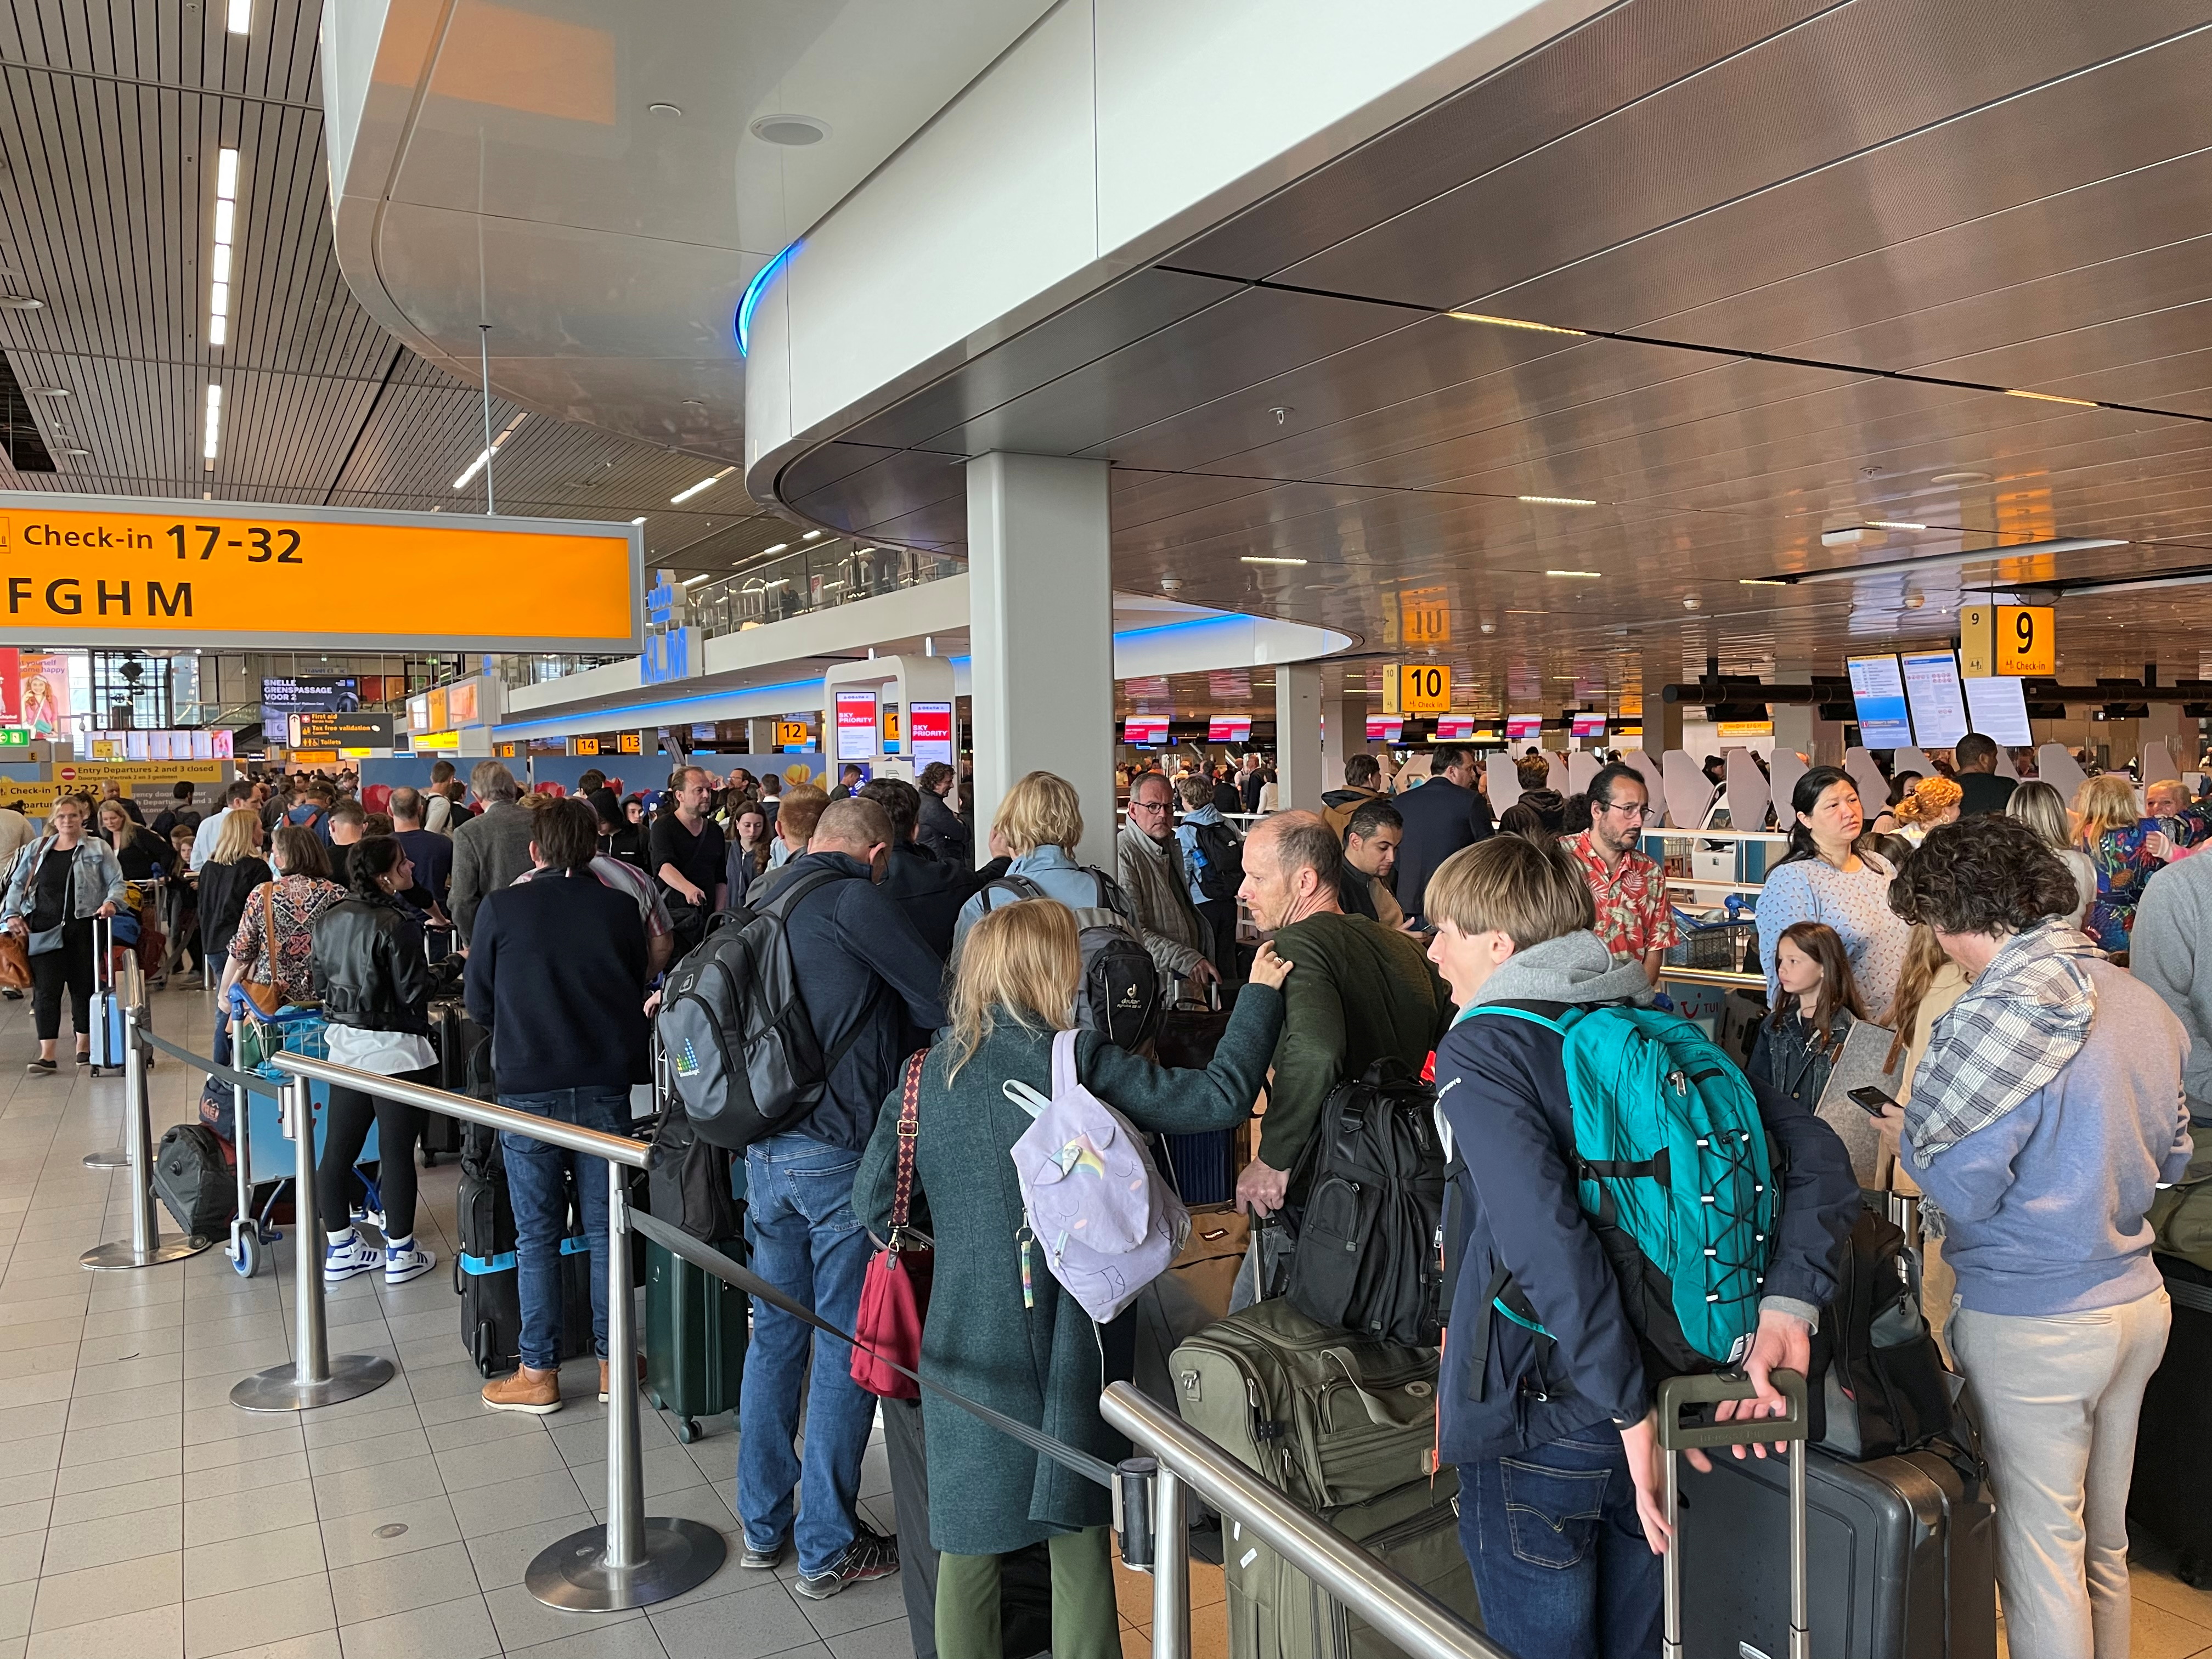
1031	1352
2042	809
1037	826
2127	849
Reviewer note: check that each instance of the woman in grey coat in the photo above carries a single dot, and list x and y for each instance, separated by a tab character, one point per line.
1044	1364
61	882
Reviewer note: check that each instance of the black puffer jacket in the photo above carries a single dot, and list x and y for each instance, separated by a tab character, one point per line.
370	970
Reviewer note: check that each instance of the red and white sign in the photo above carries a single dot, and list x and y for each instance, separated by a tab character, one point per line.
1228	728
1454	728
66	774
856	725
1145	730
1589	726
929	725
1385	728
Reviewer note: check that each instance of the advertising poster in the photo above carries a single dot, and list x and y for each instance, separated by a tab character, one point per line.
930	729
11	688
44	695
856	725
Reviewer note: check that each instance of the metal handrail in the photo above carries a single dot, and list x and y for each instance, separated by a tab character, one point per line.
592	1143
1405	1614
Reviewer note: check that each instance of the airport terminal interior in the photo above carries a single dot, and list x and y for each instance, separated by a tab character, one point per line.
1534	400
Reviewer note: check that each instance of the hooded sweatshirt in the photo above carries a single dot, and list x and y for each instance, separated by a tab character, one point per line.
1501	1092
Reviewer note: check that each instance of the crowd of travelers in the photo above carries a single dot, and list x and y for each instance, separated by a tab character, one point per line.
2035	965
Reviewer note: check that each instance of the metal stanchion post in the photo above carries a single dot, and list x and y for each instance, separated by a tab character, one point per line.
145	1246
632	1560
1171	1567
314	1378
119	1158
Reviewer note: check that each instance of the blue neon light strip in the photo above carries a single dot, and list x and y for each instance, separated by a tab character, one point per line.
753	289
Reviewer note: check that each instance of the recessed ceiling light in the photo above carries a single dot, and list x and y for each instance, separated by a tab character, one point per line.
662	109
2053	398
1514	322
781	547
812	535
682	495
1578	575
693	581
241	16
1761	581
639	520
47	391
790	129
21	302
1555	501
1894	524
1254	559
76	451
1961	477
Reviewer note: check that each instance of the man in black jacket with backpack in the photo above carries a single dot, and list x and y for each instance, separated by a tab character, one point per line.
872	988
1546	1393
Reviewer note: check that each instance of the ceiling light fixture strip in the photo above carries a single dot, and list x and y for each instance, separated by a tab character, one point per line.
222	254
483	455
684	495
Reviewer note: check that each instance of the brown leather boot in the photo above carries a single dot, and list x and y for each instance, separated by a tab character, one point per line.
535	1391
603	1376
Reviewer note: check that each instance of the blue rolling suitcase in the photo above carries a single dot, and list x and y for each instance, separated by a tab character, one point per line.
105	1037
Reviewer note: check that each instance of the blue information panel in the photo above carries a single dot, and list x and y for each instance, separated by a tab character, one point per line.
1878	690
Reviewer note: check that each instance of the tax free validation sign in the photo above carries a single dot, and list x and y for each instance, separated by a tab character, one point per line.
99	570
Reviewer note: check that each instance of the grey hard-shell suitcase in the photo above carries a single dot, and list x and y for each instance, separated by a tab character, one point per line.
1900	1552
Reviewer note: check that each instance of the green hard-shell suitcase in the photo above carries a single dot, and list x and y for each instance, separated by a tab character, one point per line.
696	1326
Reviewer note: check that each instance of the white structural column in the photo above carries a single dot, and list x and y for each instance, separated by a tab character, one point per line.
1041	630
1344	734
1297	736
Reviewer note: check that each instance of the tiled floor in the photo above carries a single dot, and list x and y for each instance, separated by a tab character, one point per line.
143	1517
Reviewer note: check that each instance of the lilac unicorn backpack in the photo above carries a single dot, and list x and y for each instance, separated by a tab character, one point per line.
1094	1204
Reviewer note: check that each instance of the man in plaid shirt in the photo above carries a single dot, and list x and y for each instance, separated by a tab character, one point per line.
1634	917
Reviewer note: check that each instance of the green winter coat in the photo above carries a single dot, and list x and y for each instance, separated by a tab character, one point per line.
989	1494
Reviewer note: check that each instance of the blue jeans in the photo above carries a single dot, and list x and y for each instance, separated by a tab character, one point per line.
808	1243
538	1178
1558	1555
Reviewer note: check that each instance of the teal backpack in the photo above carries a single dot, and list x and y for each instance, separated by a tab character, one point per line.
1674	1175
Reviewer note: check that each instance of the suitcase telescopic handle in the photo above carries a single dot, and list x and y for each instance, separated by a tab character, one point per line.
1674	1436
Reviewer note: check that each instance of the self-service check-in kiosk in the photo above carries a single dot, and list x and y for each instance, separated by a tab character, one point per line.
893	716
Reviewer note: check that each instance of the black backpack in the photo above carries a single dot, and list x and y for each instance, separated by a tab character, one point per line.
1220	870
194	1180
741	1049
1884	1388
1121	995
1367	1255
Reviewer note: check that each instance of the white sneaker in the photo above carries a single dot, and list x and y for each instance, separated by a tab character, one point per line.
405	1261
355	1256
358	1214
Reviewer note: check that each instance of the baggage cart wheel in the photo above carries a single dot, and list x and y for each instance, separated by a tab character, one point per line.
687	1430
247	1260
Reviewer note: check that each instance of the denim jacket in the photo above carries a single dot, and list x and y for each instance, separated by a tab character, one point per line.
1783	1057
95	880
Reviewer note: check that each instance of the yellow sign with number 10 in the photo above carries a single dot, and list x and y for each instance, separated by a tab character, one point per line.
1424	688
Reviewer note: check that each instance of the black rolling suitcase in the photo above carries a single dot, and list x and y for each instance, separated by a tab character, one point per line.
484	1272
2168	1501
1900	1554
458	1039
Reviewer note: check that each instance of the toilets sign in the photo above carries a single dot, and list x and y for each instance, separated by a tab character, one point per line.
101	570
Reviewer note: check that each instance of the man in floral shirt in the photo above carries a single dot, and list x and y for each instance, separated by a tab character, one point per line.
1633	916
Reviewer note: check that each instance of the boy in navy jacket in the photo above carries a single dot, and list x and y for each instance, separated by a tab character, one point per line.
1560	1511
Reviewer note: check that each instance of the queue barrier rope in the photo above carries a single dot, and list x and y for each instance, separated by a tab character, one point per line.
236	1078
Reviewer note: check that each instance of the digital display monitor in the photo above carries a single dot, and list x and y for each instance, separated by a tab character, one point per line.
929	727
306	694
1999	707
1931	690
1146	731
856	725
1589	726
1385	728
1878	694
1454	728
1228	728
1523	728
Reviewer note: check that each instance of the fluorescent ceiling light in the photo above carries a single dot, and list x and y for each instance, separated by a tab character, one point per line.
1254	559
226	175
1762	581
1952	561
639	520
1578	575
241	16
484	456
781	547
682	495
226	217
1555	501
693	581
211	437
810	535
1893	524
1514	322
2053	398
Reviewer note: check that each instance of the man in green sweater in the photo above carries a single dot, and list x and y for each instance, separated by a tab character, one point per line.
1362	992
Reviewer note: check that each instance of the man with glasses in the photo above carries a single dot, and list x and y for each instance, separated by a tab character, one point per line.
1150	861
1634	917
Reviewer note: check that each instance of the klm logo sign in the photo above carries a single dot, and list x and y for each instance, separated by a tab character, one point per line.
660	601
673	655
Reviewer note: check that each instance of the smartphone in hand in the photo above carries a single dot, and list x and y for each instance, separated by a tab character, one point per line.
1872	1102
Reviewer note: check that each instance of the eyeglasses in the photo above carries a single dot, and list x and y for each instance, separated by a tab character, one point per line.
1148	806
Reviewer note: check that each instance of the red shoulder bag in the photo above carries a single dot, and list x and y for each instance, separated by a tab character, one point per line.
895	1294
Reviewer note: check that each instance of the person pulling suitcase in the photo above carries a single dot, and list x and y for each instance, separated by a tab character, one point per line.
1557	1078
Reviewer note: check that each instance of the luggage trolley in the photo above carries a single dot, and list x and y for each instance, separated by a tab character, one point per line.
264	1158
